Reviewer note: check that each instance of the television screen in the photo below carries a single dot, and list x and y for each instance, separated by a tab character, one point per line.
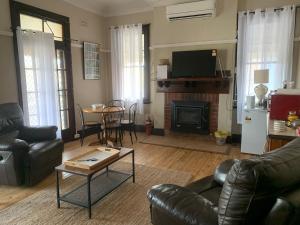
201	63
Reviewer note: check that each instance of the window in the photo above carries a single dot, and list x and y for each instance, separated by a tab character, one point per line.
130	63
31	18
34	23
265	41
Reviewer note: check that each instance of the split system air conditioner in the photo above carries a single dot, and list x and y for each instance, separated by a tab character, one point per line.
199	9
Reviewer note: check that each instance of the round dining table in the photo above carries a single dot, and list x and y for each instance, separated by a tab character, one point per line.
103	111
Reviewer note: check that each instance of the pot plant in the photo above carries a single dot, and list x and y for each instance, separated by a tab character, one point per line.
221	137
149	125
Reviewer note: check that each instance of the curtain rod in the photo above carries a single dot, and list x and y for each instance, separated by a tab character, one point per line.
276	9
117	27
75	40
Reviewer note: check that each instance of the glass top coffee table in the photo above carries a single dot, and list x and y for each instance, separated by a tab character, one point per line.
98	183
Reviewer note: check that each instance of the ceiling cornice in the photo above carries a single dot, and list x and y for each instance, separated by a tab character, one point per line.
84	8
126	12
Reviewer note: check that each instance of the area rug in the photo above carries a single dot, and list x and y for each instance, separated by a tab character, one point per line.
194	142
127	205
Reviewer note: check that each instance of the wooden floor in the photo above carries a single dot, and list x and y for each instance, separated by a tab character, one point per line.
198	164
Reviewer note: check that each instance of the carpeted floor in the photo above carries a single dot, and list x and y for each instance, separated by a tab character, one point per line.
189	141
127	205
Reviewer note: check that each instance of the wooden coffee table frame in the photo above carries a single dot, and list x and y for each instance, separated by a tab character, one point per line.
89	175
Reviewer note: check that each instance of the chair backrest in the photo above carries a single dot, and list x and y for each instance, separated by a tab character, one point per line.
11	118
112	114
81	114
116	102
253	185
132	112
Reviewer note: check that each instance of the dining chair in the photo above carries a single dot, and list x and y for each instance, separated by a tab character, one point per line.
112	117
85	125
129	124
116	102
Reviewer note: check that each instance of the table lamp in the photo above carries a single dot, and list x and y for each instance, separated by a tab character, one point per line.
261	77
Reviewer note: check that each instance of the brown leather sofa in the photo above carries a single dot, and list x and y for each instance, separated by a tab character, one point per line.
27	154
263	190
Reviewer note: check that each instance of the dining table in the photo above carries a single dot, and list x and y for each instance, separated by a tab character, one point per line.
102	111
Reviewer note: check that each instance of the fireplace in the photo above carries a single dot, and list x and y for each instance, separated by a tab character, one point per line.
190	116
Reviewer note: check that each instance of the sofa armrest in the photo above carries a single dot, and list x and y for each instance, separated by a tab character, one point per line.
182	204
223	169
38	134
16	146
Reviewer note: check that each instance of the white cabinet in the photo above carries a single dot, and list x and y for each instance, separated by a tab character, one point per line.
254	131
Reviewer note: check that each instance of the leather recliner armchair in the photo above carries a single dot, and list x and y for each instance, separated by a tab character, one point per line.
263	190
27	154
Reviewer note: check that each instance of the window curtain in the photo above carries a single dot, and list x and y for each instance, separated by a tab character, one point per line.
127	64
265	41
38	78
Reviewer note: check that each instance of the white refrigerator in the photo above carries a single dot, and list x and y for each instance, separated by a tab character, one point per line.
254	131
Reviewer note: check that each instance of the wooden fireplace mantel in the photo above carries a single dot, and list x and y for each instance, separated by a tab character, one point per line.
216	84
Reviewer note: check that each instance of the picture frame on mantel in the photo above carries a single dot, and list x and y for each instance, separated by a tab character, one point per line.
91	61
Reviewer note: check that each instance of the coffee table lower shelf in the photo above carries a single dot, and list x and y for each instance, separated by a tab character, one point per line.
99	182
100	186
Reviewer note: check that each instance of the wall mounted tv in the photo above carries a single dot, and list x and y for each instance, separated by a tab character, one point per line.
200	63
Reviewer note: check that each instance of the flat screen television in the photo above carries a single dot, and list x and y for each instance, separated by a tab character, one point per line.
200	63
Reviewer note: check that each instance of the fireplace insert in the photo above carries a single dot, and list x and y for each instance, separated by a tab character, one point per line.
190	116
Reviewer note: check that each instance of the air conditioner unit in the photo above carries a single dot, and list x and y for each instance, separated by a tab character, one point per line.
199	9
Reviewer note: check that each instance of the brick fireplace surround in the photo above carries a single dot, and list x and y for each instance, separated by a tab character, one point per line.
213	99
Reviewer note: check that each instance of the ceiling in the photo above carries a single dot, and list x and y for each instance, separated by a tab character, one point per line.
121	7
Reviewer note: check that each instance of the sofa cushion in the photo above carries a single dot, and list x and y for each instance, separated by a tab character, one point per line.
208	188
252	186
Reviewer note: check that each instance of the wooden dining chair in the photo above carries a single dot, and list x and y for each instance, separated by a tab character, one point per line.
85	125
112	116
129	124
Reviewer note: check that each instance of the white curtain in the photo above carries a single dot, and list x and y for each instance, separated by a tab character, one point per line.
38	78
265	41
127	64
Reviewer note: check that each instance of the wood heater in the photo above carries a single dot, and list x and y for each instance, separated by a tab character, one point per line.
190	116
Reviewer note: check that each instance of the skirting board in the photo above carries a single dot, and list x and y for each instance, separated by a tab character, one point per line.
235	139
155	131
139	128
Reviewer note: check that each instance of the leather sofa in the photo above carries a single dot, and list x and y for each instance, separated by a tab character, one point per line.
263	190
27	154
